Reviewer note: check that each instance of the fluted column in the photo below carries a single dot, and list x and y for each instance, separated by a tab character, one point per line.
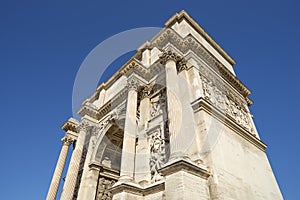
85	184
72	174
128	150
66	141
170	60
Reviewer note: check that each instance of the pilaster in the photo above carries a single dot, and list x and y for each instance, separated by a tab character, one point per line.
142	156
129	139
86	182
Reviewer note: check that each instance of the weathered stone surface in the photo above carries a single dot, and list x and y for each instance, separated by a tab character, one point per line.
173	123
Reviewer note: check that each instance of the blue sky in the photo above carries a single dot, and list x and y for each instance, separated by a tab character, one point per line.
43	43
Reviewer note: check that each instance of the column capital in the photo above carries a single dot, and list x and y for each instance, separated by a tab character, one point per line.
133	83
181	65
169	55
67	140
84	126
146	91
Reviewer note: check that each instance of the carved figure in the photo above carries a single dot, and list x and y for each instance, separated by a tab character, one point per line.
157	153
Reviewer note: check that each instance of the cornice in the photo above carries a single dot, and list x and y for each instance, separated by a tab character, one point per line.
178	17
88	109
113	103
170	36
70	125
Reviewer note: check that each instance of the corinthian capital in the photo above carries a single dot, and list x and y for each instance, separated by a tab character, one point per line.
169	55
67	140
84	126
181	65
133	83
146	91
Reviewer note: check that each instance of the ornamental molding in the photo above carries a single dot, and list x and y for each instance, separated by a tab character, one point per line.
187	166
134	66
88	109
138	189
71	125
115	102
169	36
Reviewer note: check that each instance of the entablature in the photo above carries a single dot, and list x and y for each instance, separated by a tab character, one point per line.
189	43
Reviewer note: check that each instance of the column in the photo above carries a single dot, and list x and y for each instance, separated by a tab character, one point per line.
128	150
71	178
170	59
142	167
85	179
66	141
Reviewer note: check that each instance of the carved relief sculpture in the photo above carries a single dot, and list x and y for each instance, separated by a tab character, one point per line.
157	154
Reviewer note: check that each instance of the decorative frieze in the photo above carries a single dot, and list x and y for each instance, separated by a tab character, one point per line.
225	100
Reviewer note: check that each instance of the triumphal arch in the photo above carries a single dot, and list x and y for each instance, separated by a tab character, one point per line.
172	123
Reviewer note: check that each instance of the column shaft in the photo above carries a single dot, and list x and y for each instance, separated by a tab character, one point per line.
128	150
142	167
58	170
174	109
72	174
85	180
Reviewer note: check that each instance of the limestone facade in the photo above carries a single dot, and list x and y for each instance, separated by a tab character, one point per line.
172	123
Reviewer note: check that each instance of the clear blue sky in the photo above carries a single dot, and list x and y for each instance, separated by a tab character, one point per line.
43	43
